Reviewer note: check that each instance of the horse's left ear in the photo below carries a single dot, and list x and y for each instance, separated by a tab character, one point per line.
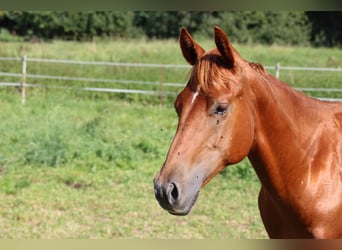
224	46
191	50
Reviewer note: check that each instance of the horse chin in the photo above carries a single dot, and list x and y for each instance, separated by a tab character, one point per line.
186	208
182	213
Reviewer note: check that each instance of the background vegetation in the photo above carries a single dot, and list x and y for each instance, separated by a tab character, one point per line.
265	27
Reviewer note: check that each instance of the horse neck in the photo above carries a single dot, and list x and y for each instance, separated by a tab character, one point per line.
278	116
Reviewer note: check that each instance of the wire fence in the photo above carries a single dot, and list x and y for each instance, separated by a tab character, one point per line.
159	84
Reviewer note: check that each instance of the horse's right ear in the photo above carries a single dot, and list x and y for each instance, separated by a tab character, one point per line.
224	46
190	48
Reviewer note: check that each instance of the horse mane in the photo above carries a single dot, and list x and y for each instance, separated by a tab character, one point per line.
257	67
210	74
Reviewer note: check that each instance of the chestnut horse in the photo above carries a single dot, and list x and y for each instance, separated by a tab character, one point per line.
232	108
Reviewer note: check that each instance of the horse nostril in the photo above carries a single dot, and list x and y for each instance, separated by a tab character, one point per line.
173	192
168	195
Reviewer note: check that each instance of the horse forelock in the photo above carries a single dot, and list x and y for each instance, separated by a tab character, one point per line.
210	74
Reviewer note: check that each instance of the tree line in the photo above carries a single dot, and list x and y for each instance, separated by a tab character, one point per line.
264	27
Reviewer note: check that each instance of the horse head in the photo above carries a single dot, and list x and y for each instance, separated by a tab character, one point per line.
215	127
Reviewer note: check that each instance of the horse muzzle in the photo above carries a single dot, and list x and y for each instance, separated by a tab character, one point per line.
175	199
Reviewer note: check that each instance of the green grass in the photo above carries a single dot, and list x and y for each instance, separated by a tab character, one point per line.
80	168
80	165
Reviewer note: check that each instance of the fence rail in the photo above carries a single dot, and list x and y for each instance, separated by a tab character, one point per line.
24	75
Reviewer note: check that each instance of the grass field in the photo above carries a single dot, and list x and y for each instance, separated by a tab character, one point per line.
77	165
75	168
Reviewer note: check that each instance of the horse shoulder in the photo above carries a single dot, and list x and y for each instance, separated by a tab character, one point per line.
324	153
322	197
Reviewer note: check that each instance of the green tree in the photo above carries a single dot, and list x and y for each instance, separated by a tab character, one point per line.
326	28
266	27
68	25
166	24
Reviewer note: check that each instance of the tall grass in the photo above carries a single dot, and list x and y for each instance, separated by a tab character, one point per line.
55	129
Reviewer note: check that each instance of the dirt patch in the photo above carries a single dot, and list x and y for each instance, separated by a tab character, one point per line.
77	185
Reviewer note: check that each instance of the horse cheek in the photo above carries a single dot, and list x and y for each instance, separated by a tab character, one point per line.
240	137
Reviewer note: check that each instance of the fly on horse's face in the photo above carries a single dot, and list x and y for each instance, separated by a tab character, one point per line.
215	127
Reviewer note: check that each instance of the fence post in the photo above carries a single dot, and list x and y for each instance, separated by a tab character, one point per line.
161	85
23	80
277	68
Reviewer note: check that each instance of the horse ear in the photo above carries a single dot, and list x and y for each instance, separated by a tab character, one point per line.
190	48
224	46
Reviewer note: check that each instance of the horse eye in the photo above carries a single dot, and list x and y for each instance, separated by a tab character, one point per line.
221	109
